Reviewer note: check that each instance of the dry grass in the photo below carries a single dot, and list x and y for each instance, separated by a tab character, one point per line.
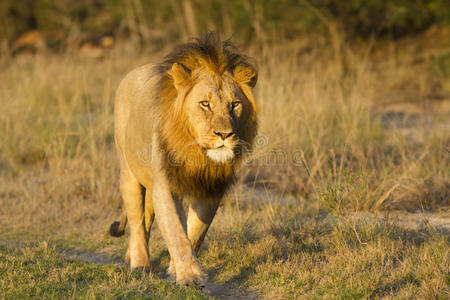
333	143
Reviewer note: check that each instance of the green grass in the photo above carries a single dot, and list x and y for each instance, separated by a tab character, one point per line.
321	257
317	257
37	272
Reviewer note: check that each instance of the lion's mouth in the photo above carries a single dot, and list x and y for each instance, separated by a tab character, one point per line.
220	151
221	154
216	146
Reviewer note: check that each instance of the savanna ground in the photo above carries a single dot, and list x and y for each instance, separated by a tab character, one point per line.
346	195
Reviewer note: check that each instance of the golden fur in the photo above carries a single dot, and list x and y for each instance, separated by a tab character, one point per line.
173	146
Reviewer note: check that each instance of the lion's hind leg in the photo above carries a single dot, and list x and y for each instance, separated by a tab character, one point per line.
149	214
137	253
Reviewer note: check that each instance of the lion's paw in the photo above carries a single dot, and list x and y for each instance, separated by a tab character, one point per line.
192	275
143	269
171	271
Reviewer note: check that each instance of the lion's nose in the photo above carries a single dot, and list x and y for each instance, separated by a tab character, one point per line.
224	135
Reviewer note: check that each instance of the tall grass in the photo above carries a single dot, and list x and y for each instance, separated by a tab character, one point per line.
324	137
323	110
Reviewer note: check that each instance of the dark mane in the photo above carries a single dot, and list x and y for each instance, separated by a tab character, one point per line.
209	51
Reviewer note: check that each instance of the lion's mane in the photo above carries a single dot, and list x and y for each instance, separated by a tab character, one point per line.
187	167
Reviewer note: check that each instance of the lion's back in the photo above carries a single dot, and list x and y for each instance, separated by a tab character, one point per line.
130	90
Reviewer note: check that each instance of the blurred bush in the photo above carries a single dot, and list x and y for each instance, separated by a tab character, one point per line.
58	20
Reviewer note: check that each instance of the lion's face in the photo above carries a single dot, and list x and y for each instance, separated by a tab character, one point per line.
214	108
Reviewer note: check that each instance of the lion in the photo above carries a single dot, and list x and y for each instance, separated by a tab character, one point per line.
181	129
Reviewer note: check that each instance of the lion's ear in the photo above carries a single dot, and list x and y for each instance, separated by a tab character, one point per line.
245	74
181	75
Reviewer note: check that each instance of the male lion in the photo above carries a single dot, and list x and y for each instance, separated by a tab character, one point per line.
181	128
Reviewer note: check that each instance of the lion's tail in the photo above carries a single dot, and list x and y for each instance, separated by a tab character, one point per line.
117	229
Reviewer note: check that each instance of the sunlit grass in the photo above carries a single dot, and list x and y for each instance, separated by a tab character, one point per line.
329	148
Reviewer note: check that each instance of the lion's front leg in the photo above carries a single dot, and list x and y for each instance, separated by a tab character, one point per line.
200	216
187	268
201	213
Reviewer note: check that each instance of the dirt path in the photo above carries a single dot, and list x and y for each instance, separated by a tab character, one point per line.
411	221
99	257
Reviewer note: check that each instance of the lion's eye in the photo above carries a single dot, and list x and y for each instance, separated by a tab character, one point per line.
235	104
204	104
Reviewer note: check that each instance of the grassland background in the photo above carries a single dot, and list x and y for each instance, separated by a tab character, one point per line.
345	196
